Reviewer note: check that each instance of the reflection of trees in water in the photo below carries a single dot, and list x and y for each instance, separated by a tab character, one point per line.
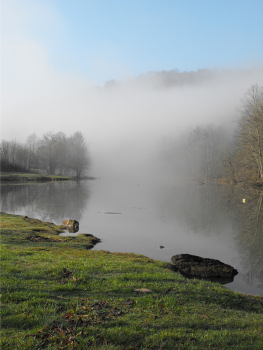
212	209
205	210
249	228
199	207
50	201
15	197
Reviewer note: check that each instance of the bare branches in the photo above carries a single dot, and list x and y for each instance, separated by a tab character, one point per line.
54	153
250	132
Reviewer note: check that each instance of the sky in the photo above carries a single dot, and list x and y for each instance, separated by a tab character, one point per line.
56	56
116	39
131	37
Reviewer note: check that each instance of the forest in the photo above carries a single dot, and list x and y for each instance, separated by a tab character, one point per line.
213	153
53	153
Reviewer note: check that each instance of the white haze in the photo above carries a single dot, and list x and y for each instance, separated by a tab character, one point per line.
123	123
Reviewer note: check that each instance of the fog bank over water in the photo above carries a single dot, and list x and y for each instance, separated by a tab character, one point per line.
123	122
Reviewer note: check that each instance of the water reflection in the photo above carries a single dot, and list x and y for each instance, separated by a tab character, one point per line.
202	208
207	220
214	210
249	227
53	201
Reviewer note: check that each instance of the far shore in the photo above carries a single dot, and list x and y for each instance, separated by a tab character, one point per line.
22	177
228	181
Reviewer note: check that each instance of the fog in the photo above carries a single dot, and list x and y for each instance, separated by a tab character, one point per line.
122	122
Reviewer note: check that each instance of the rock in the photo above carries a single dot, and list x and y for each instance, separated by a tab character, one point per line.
94	240
71	225
129	302
195	266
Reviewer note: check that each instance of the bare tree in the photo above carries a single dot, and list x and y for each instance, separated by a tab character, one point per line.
203	151
47	152
14	156
4	153
78	154
250	133
54	153
229	161
31	145
61	153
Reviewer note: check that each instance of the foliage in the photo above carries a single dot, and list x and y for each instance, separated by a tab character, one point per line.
57	295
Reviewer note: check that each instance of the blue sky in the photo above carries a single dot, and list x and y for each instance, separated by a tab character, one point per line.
116	39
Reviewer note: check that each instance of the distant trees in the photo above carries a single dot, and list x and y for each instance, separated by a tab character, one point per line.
210	152
54	153
205	146
31	145
198	153
79	159
174	77
13	156
229	164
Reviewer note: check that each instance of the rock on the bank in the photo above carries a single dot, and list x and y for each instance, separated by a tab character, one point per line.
71	225
196	266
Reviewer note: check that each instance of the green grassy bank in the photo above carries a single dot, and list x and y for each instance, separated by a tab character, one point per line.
57	294
28	177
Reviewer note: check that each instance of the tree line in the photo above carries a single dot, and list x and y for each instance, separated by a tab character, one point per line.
53	153
211	152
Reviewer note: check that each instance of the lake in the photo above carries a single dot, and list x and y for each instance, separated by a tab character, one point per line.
137	216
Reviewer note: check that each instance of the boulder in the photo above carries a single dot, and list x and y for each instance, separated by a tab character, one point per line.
71	225
196	266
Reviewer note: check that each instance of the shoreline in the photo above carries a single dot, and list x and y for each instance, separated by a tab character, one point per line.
58	293
13	177
251	183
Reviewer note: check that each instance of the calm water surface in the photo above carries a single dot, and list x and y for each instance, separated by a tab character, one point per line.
211	221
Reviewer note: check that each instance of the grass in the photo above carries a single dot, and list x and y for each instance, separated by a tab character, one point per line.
56	294
28	177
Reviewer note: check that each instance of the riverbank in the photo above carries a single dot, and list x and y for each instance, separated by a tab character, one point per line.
58	294
28	177
251	183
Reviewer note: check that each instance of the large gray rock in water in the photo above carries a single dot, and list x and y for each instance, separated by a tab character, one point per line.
195	266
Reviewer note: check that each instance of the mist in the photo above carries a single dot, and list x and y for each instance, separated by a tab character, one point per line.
123	121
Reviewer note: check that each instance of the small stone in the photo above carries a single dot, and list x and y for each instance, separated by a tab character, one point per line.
142	290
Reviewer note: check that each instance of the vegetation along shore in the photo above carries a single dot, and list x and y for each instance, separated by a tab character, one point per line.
30	177
59	294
